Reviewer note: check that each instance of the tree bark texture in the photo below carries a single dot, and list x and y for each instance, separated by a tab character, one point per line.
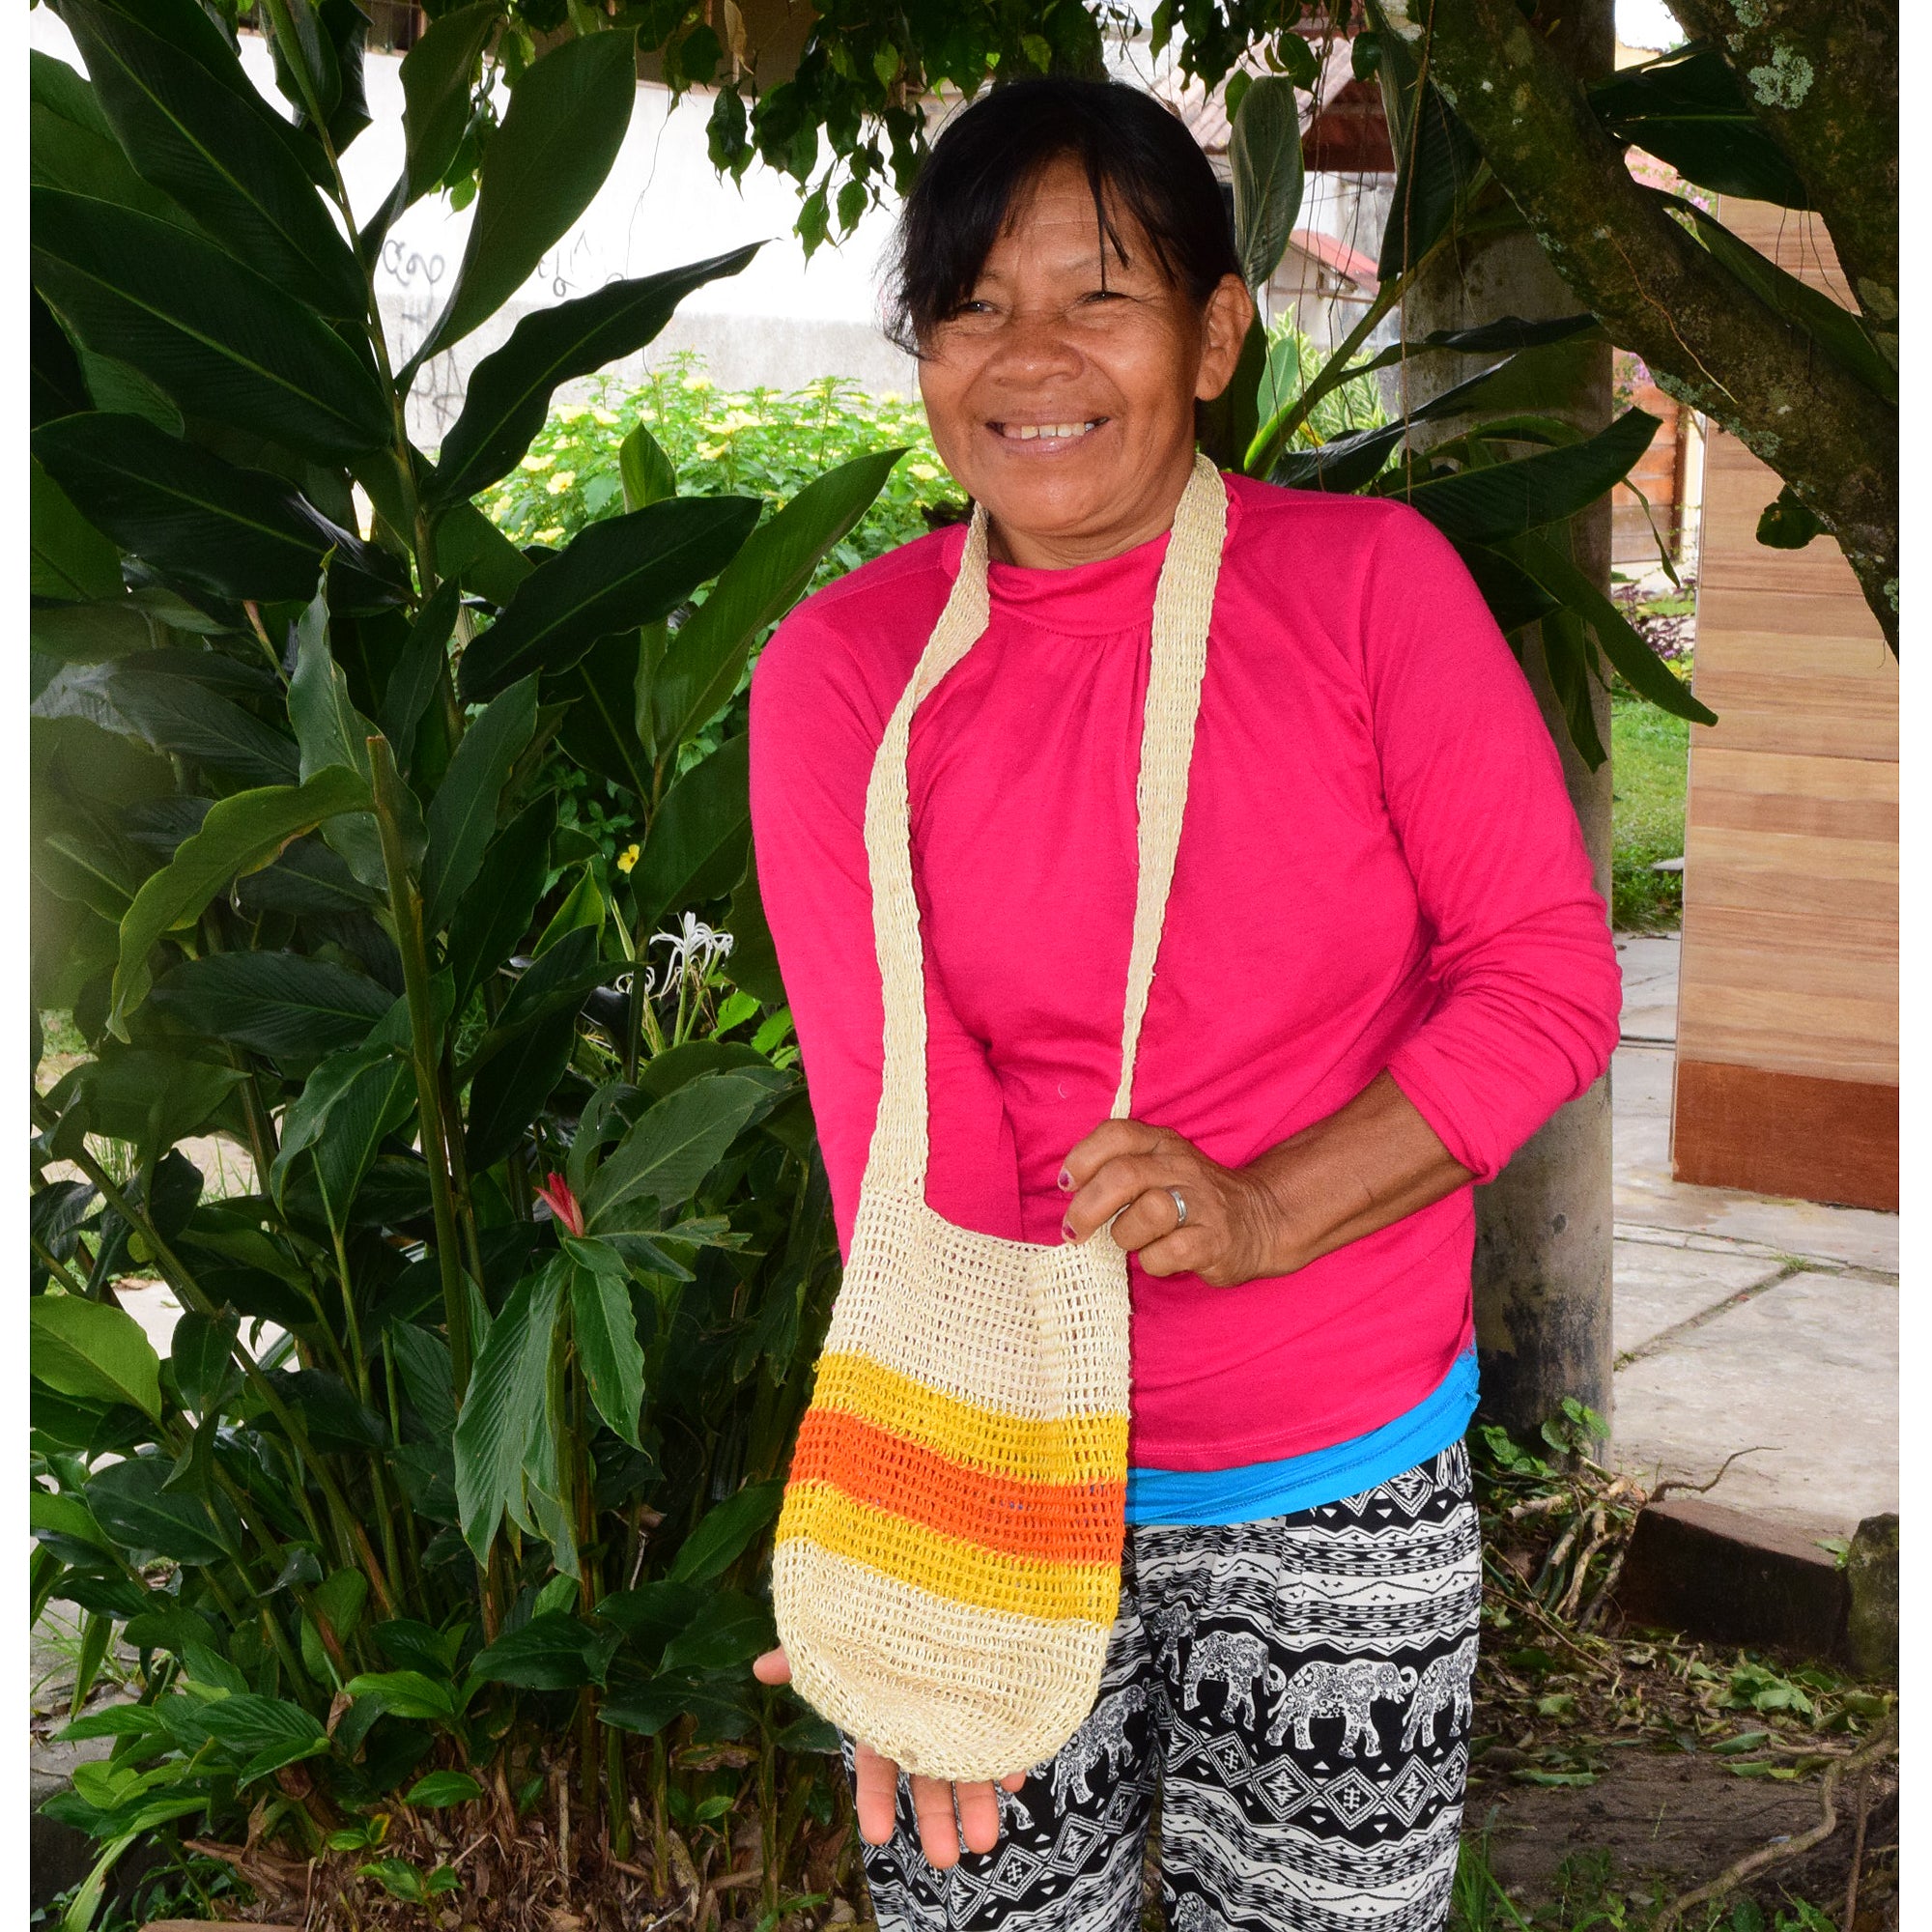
1708	341
1543	1243
1824	81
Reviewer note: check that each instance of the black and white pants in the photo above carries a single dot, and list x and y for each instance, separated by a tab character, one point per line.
1296	1690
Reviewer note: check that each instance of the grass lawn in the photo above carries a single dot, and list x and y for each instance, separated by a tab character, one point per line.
1649	751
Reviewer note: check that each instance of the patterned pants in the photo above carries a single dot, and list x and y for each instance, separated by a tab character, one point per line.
1295	1689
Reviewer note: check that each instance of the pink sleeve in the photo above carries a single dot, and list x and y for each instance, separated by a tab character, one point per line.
816	729
1527	1013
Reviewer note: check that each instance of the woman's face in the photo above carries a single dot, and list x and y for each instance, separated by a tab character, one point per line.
1061	394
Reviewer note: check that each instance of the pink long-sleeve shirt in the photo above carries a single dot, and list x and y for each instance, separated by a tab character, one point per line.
1379	868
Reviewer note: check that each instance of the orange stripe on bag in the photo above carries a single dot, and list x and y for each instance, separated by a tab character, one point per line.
1071	1523
947	1567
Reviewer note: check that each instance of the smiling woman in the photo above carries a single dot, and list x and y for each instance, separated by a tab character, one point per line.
1247	924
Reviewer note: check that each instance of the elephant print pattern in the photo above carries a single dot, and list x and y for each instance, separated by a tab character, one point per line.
1292	1693
1344	1690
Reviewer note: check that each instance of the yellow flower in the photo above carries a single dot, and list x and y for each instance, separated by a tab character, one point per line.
605	418
534	464
560	482
697	384
550	535
628	858
710	453
924	472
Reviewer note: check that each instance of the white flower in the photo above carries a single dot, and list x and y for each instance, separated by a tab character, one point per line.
696	943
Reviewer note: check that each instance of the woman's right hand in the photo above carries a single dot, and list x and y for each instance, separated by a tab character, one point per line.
875	1781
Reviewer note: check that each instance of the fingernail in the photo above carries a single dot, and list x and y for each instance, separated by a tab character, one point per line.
1066	1229
1066	1180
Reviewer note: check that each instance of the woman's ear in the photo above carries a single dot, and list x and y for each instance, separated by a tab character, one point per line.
1225	321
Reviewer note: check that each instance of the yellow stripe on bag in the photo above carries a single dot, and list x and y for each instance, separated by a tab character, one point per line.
1065	1449
944	1567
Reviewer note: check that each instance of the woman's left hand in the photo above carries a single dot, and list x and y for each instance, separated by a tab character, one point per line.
1234	1229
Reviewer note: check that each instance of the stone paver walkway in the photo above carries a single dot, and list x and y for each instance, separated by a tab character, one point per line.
1744	1322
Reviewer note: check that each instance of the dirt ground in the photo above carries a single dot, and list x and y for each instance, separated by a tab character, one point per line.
1674	1821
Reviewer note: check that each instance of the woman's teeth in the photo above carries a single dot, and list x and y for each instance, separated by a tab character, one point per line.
1058	432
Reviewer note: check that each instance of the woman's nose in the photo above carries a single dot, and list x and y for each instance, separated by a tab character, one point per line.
1036	341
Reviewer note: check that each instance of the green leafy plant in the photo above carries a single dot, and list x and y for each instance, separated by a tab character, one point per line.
456	1478
1503	490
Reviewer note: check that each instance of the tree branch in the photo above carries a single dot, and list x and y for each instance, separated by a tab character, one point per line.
1708	341
1824	82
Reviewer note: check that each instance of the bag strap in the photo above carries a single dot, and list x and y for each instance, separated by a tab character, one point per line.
1183	607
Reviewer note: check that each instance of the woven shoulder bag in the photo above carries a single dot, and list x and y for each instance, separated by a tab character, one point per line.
948	1561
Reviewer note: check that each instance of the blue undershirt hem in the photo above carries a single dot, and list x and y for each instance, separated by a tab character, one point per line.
1253	1491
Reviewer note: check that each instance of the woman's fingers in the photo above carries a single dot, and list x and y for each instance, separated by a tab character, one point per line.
941	1829
938	1827
979	1816
1109	1141
773	1667
875	1785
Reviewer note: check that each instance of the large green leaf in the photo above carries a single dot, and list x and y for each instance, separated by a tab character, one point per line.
605	1327
600	730
509	391
1689	107
150	701
665	1158
509	1091
613	575
72	145
363	1082
266	1733
280	1004
767	577
1505	500
69	559
229	164
561	132
555	1651
698	841
755	959
733	1630
202	522
719	1540
224	341
463	814
130	1504
240	834
503	1403
1264	155
144	1096
331	732
437	75
414	680
56	386
1508	331
1436	156
494	913
1835	328
94	1350
474	552
1642	669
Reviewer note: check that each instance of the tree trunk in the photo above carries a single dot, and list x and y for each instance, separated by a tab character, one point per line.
1543	1243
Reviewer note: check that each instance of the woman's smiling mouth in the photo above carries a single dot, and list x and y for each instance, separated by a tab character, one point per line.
1054	433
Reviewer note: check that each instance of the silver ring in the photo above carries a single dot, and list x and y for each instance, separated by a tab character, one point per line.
1179	1207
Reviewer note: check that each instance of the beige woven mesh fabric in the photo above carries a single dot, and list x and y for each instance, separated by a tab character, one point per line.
947	1567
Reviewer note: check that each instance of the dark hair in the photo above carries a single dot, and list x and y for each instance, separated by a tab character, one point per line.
988	155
